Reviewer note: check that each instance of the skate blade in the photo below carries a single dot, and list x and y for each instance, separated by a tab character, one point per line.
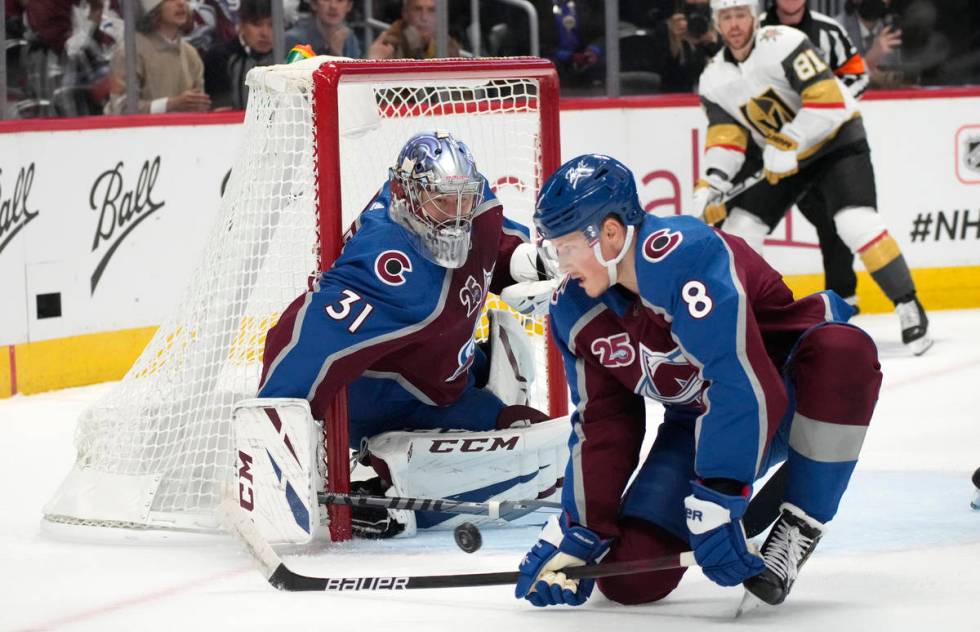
921	345
749	603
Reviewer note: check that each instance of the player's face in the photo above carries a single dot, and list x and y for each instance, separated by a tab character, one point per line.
736	26
448	207
576	258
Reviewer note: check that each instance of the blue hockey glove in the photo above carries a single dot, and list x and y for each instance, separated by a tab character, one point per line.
717	536
559	546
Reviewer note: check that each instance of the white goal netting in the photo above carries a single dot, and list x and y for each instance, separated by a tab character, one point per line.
156	452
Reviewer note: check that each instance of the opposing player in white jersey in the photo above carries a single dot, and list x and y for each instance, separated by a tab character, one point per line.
846	63
773	103
394	319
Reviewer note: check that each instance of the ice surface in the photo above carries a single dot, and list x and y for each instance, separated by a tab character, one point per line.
903	553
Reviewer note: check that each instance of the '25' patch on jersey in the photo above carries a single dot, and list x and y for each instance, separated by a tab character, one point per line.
614	351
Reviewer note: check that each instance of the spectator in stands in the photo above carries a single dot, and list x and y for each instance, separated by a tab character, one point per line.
96	33
14	18
326	30
572	37
210	23
873	28
169	72
412	36
684	42
50	21
225	66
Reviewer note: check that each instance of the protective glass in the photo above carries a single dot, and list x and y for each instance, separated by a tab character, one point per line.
569	252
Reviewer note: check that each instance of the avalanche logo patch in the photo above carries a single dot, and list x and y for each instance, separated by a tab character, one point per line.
661	243
391	267
464	359
668	377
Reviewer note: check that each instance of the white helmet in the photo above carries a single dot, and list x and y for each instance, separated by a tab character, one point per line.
718	5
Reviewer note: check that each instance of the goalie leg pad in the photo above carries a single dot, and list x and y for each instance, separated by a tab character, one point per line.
511	359
278	446
523	463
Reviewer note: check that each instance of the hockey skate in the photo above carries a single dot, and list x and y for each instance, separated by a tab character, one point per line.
915	323
789	545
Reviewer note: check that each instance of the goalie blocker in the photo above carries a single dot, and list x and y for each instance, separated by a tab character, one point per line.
280	467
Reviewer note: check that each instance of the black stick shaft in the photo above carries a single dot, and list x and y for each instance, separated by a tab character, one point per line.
285	579
493	509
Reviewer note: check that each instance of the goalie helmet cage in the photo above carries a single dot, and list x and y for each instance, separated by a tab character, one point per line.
156	452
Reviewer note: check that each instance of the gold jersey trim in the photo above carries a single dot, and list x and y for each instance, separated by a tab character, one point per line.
880	253
727	134
826	92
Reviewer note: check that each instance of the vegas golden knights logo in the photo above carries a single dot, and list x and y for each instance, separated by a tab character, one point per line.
767	112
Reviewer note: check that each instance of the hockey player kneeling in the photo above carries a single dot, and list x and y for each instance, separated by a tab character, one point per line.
672	310
393	320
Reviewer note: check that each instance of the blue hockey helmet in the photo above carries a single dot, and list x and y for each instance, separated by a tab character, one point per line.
436	190
582	193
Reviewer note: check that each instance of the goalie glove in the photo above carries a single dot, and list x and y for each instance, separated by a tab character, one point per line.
559	546
779	157
536	276
709	198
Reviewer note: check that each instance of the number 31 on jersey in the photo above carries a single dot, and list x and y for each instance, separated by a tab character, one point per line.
343	309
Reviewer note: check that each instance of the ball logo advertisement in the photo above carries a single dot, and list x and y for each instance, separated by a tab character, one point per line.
121	209
15	211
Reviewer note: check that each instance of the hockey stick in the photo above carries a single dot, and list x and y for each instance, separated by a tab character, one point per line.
493	509
737	189
743	185
236	522
764	507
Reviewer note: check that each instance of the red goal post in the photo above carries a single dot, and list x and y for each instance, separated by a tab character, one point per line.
523	86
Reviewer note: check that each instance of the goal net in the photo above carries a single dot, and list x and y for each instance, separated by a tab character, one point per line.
318	138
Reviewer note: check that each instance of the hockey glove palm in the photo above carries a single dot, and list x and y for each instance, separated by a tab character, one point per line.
779	157
559	546
717	536
536	279
709	202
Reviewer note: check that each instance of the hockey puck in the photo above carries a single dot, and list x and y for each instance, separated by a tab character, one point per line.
468	537
976	478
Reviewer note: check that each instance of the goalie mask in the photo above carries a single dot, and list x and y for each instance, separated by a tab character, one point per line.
436	189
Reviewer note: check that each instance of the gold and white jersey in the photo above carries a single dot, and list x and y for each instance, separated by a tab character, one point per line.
783	75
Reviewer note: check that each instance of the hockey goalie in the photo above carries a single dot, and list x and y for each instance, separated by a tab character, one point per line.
434	413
